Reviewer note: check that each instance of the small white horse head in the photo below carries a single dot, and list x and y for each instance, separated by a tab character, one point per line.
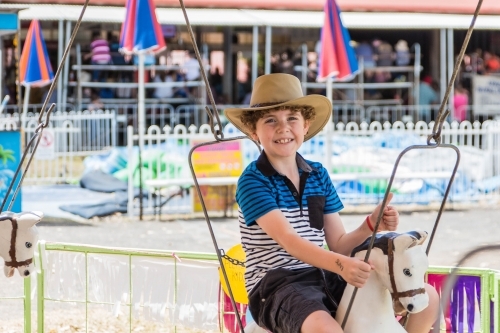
402	268
18	238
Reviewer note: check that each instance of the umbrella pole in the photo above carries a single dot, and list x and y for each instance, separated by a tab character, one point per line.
25	106
328	128
140	114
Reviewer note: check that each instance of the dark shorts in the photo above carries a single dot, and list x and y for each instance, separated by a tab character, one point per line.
283	299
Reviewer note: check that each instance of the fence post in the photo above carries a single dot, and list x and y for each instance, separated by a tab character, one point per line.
40	287
27	305
130	151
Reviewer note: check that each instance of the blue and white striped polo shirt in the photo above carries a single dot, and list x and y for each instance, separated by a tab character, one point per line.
262	189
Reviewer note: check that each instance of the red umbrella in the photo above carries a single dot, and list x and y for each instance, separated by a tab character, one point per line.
337	57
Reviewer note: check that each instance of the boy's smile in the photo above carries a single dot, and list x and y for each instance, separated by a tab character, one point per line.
281	133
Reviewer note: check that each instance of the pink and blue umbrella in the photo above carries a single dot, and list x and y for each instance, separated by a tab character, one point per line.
337	57
141	33
34	66
141	30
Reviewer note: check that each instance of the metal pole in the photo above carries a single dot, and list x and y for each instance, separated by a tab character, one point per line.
66	70
269	36
25	106
416	74
78	78
451	65
442	65
255	53
304	68
141	121
328	128
60	49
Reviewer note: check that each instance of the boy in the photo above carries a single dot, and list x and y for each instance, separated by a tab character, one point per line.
289	208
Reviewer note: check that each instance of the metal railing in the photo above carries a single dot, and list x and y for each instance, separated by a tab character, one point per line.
83	285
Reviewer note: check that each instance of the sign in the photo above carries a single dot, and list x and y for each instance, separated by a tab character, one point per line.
223	159
46	146
10	155
486	94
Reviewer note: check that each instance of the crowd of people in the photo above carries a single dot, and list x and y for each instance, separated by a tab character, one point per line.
381	61
104	51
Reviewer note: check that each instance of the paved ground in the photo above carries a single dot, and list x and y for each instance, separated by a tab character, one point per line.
458	231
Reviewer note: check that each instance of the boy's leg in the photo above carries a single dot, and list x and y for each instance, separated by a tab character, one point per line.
320	322
423	321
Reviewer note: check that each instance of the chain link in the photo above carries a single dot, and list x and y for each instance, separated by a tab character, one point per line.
231	260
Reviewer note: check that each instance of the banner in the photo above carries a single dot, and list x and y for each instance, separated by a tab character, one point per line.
224	159
486	94
10	155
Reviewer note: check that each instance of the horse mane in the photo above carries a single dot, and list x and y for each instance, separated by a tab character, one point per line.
381	241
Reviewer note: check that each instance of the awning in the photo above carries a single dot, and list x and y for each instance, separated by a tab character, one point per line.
8	23
249	17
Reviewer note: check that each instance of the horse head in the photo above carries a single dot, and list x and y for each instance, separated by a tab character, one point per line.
403	270
18	238
400	264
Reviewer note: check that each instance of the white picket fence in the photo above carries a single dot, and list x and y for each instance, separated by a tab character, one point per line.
76	134
362	159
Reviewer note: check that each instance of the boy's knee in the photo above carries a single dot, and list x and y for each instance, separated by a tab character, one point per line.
433	297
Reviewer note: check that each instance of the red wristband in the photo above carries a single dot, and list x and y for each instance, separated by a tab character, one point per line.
369	223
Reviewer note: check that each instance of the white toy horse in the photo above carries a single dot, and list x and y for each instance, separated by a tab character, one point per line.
18	238
396	285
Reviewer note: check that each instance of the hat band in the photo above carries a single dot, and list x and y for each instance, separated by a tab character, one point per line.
259	105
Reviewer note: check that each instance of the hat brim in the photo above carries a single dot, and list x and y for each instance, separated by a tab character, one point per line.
321	105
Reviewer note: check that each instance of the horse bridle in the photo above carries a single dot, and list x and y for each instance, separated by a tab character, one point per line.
395	294
12	251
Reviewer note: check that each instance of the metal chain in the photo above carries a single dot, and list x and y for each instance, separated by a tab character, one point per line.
231	260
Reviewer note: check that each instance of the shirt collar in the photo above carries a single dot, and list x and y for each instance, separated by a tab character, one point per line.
268	170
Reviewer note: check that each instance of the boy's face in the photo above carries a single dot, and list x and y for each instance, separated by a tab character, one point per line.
281	133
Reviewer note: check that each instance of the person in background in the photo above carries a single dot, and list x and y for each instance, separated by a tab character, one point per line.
460	103
365	51
427	97
99	54
402	53
191	67
166	90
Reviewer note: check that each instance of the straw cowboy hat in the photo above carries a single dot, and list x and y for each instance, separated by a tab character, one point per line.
274	90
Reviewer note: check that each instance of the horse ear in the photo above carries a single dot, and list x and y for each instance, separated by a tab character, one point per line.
421	236
404	241
29	219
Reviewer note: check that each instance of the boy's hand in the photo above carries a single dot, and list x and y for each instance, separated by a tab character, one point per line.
390	216
354	271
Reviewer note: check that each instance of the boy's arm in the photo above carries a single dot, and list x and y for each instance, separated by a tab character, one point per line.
339	241
353	270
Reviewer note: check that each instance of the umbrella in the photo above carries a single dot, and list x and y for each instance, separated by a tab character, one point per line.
337	57
141	34
34	65
337	61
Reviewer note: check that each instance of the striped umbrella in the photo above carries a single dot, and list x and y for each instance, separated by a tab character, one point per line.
141	31
141	34
337	57
34	65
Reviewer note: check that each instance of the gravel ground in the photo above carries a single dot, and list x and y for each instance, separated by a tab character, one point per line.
457	233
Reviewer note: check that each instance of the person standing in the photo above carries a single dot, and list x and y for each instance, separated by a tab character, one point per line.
99	54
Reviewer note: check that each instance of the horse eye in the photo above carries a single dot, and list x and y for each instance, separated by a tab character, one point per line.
407	272
28	244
